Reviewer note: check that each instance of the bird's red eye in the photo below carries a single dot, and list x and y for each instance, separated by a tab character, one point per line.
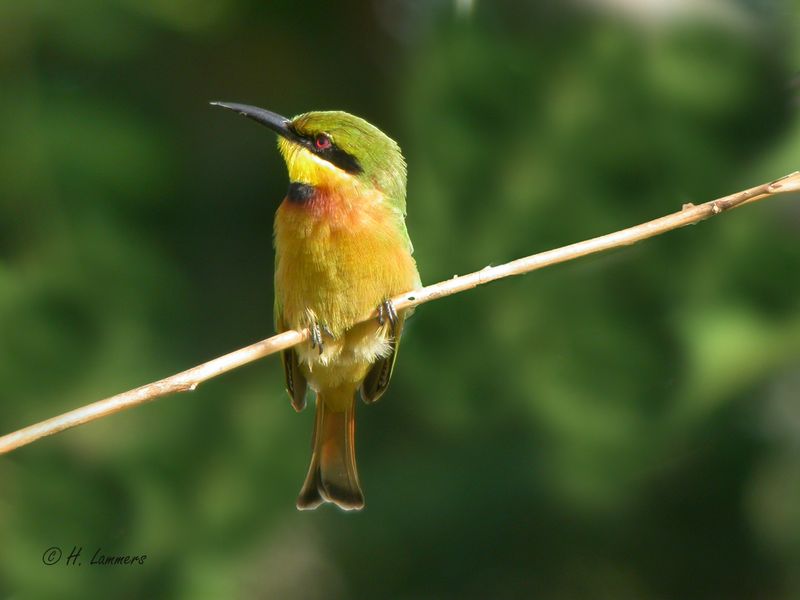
322	142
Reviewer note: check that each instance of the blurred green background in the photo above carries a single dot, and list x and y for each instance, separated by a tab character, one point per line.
626	426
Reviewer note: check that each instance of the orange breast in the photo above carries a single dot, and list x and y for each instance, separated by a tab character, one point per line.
339	257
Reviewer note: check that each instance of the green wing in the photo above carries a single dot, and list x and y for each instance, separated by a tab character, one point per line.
296	384
378	377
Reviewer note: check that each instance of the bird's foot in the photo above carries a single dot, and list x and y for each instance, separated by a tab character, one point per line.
387	312
317	332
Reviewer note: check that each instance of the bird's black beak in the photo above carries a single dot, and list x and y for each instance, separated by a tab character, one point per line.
278	124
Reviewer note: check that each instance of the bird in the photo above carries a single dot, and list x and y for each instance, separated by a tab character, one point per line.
342	249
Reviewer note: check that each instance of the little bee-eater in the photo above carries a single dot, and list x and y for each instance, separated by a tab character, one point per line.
341	250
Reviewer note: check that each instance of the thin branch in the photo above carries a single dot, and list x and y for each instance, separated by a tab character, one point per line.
190	379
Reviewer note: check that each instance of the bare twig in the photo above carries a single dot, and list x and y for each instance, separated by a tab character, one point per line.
190	379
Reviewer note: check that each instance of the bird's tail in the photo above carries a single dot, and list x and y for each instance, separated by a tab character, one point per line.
333	476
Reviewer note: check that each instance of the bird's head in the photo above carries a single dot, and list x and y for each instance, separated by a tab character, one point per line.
334	148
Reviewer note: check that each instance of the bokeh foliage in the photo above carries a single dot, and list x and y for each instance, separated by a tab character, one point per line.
625	426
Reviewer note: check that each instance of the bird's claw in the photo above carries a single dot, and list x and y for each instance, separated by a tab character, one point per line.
387	312
317	331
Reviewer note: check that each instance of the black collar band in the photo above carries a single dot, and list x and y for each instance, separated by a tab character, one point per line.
300	193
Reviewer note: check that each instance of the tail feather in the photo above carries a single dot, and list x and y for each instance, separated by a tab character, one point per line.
333	476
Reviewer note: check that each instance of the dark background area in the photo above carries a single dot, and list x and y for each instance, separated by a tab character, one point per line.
623	426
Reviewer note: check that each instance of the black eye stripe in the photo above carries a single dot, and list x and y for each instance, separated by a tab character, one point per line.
333	154
338	157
